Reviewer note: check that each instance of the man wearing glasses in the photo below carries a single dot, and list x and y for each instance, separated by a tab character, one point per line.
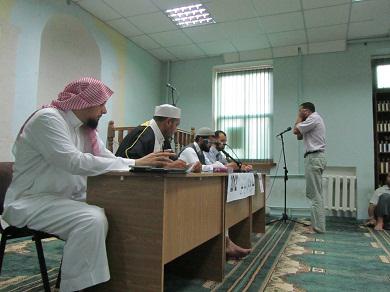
194	154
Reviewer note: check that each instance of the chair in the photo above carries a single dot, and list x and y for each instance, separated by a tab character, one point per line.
115	136
12	232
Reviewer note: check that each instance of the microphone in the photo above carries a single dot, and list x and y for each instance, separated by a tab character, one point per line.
281	133
170	86
236	161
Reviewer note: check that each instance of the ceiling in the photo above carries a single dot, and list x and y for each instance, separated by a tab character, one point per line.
245	28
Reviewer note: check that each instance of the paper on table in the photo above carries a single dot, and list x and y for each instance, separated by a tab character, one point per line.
261	186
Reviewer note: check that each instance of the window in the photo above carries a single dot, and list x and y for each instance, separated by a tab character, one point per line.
243	110
383	76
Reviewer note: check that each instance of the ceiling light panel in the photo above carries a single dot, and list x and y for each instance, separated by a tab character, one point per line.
192	15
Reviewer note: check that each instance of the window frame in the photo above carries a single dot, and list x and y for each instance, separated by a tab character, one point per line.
240	67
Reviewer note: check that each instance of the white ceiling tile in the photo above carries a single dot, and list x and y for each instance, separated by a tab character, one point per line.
217	48
327	33
231	57
169	4
326	47
309	4
186	52
171	38
162	54
287	38
256	55
282	22
124	27
267	7
369	10
153	22
145	42
227	10
327	16
206	33
134	7
367	29
252	43
289	51
243	28
100	9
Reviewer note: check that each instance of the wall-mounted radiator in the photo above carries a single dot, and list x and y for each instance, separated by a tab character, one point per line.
340	195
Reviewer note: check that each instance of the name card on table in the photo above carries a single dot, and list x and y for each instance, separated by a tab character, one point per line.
240	186
261	186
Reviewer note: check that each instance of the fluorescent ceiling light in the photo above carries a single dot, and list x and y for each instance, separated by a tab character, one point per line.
192	15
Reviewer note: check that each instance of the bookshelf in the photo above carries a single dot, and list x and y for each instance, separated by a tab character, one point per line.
381	110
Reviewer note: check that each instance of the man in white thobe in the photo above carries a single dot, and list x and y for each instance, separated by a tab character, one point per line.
55	151
195	154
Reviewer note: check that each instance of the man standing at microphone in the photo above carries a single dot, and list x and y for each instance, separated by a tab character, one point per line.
310	128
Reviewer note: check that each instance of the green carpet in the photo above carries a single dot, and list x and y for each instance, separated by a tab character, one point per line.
20	270
347	258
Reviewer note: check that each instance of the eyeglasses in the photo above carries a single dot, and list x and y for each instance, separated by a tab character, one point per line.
208	141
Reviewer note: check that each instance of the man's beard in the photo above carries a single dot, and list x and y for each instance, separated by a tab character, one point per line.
204	147
92	123
220	147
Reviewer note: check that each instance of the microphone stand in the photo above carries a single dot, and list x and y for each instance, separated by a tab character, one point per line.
172	91
285	217
173	101
239	163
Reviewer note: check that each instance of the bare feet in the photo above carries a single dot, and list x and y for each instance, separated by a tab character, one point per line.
379	224
370	223
234	251
309	230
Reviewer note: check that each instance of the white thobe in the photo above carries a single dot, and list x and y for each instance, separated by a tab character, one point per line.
190	157
52	162
158	136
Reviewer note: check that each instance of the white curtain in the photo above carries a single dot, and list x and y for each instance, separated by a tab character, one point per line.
243	109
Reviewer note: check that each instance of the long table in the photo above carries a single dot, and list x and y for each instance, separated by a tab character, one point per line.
155	219
245	216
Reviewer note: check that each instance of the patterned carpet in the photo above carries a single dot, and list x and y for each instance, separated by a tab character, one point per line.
347	258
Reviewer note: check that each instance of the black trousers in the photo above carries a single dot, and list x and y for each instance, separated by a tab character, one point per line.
382	209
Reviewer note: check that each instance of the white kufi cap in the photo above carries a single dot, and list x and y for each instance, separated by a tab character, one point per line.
204	132
167	110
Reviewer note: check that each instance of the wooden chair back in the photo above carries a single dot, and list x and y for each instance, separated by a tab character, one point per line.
116	134
5	181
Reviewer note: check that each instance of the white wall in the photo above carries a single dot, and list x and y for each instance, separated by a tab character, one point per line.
46	43
339	84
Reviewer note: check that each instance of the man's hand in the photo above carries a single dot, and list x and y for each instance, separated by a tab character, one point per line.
296	130
299	119
176	164
247	167
158	159
197	167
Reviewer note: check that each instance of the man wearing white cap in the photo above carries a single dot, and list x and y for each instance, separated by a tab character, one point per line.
194	153
154	135
56	149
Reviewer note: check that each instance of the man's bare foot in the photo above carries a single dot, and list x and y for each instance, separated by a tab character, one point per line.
379	224
370	223
309	230
234	251
312	230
